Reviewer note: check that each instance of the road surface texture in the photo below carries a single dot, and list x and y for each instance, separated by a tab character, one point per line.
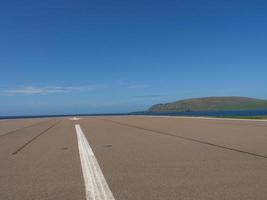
141	158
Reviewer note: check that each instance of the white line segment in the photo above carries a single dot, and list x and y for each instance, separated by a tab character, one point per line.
205	118
96	187
74	118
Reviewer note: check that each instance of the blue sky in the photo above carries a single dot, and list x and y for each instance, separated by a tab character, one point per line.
83	56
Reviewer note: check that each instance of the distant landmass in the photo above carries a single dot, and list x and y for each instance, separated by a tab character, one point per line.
211	104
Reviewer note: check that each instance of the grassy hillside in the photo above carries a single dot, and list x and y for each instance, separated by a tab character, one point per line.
211	104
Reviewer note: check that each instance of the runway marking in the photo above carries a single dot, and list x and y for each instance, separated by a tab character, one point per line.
96	187
74	118
205	118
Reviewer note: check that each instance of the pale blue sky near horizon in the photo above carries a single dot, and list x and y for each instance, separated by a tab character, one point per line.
66	56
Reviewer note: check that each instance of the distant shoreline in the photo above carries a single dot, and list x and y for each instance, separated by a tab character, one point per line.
243	114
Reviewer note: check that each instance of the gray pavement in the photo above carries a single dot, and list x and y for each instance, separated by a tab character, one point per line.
148	158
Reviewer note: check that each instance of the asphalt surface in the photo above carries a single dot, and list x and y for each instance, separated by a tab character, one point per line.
151	158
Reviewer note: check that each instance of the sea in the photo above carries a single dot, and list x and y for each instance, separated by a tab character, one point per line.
193	114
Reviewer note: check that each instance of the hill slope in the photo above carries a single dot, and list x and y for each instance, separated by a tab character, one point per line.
211	104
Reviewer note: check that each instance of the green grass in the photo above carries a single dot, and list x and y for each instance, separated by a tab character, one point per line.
211	104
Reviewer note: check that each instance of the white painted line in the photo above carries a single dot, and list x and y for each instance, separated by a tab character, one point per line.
96	187
74	118
205	118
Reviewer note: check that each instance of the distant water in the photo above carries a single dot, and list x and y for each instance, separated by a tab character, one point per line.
198	114
69	115
214	113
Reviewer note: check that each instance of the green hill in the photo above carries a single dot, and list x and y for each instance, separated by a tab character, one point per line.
211	104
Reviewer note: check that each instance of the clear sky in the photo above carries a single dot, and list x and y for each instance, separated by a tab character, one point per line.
99	56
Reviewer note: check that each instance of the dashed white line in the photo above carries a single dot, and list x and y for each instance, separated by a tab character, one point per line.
96	187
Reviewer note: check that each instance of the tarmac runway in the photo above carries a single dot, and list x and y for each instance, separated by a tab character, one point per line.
133	158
